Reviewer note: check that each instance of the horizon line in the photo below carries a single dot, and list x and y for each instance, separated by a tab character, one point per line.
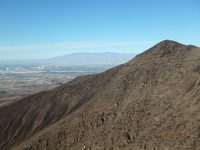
67	54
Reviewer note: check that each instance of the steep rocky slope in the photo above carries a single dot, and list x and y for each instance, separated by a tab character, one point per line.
151	102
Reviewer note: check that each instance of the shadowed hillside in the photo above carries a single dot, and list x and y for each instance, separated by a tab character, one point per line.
151	102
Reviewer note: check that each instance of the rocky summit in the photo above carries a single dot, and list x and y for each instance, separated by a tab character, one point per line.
151	102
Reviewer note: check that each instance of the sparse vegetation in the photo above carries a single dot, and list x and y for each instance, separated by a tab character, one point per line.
3	92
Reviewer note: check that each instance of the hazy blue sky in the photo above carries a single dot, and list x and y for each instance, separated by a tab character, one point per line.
47	28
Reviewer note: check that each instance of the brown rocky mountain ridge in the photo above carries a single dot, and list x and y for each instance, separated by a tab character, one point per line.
126	107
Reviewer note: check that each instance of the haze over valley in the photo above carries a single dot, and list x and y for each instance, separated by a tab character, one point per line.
20	78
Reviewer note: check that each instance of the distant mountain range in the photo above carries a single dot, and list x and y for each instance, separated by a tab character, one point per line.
78	59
